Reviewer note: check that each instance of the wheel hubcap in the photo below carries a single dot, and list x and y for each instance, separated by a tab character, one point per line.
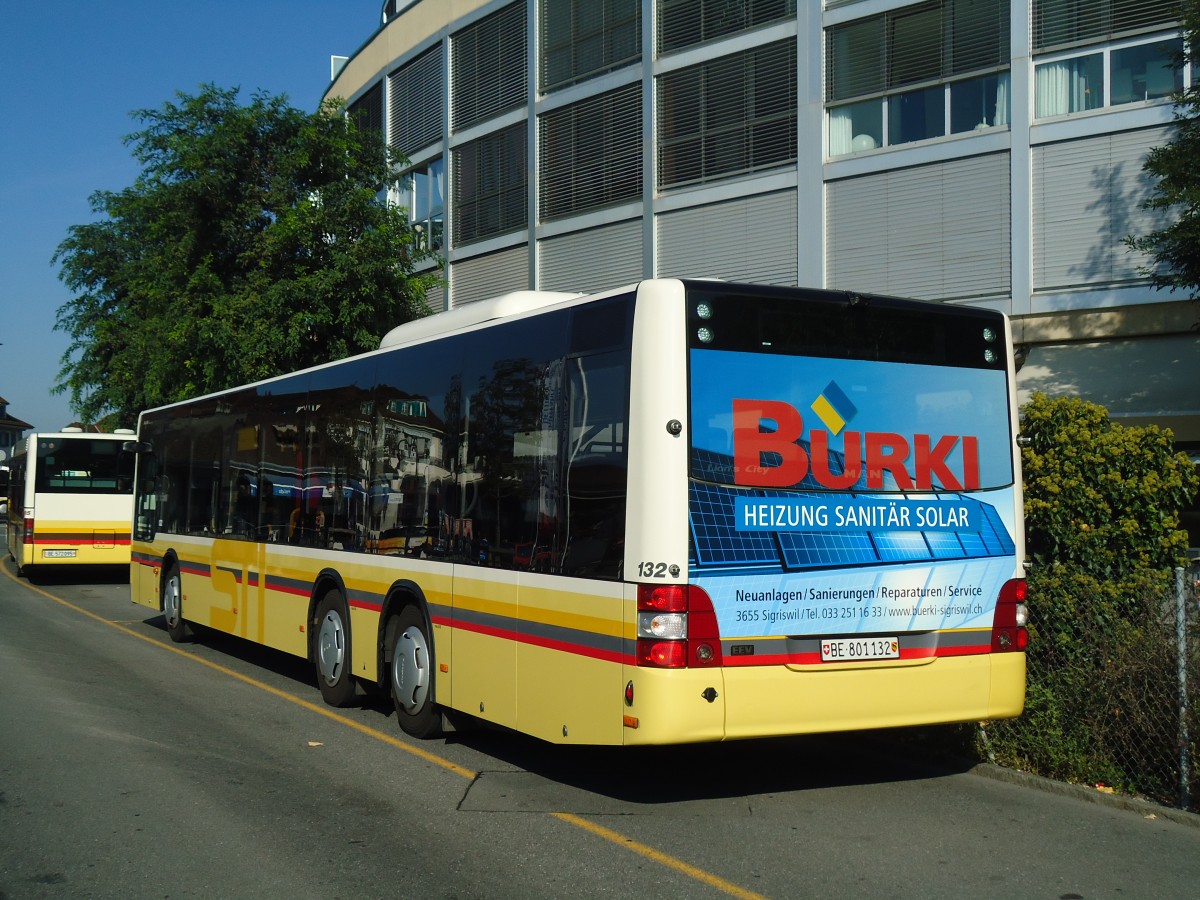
171	604
410	670
331	647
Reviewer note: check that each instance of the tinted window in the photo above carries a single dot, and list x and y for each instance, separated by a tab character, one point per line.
82	465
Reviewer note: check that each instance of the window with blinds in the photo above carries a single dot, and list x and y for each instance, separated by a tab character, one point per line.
489	66
1063	23
1087	195
490	185
367	110
917	72
920	44
415	102
581	38
728	116
684	23
591	153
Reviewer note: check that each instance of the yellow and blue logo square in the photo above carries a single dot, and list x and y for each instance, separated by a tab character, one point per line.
834	408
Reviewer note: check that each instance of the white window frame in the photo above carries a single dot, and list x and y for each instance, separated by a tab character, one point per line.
1105	51
836	143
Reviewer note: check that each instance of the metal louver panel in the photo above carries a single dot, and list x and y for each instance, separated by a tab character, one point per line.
935	232
854	59
416	102
591	153
592	260
1087	196
367	110
753	239
684	23
489	66
491	275
580	38
491	185
436	298
979	36
915	44
733	115
1059	23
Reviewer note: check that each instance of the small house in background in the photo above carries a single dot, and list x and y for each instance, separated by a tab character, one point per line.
11	429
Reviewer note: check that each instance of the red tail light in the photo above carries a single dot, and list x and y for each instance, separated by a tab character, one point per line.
1008	624
677	627
29	531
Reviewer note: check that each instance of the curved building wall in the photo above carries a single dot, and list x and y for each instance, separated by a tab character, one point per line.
971	151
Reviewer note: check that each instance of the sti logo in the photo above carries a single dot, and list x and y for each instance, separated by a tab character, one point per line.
773	427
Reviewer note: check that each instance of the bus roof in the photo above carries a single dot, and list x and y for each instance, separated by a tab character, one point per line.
472	314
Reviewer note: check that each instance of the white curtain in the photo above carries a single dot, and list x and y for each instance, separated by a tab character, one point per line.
841	131
1052	88
1001	117
1061	87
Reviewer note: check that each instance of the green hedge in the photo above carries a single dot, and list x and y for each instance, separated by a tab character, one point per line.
1102	508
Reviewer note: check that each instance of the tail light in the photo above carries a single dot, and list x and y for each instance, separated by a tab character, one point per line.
1008	625
28	530
677	627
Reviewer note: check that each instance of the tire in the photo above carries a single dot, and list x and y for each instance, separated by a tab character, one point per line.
331	650
172	605
411	653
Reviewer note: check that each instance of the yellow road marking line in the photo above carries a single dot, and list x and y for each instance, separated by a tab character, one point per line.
607	834
670	862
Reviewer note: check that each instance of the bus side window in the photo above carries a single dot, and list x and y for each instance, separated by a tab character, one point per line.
595	474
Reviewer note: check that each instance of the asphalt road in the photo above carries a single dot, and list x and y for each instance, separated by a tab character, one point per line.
132	767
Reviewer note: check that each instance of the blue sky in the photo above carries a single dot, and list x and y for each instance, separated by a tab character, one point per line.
75	72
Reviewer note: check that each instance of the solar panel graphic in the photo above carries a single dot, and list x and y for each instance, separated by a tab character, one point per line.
717	543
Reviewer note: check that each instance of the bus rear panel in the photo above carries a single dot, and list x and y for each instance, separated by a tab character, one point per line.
853	520
71	500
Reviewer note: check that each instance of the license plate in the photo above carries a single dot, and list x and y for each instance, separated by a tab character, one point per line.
854	649
58	554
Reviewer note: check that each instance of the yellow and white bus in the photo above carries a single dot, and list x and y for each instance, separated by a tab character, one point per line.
679	511
70	499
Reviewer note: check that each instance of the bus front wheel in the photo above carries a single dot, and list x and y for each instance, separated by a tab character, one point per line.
412	674
331	650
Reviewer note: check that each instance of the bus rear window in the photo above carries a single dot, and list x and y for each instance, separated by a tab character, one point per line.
842	325
80	465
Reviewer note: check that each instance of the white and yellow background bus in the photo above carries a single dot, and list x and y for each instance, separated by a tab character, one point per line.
70	500
680	511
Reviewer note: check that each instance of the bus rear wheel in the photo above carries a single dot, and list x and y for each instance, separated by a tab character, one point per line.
172	605
331	650
412	674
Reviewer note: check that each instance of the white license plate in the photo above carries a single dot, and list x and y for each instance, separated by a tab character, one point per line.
58	554
854	649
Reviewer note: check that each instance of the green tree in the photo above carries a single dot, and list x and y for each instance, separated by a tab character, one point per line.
1175	248
253	242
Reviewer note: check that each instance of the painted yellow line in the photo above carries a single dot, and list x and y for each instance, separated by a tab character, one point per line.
607	834
663	859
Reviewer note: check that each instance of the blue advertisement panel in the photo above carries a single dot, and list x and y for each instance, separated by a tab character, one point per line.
842	497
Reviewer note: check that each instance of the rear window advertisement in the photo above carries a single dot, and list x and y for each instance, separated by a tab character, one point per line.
849	497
